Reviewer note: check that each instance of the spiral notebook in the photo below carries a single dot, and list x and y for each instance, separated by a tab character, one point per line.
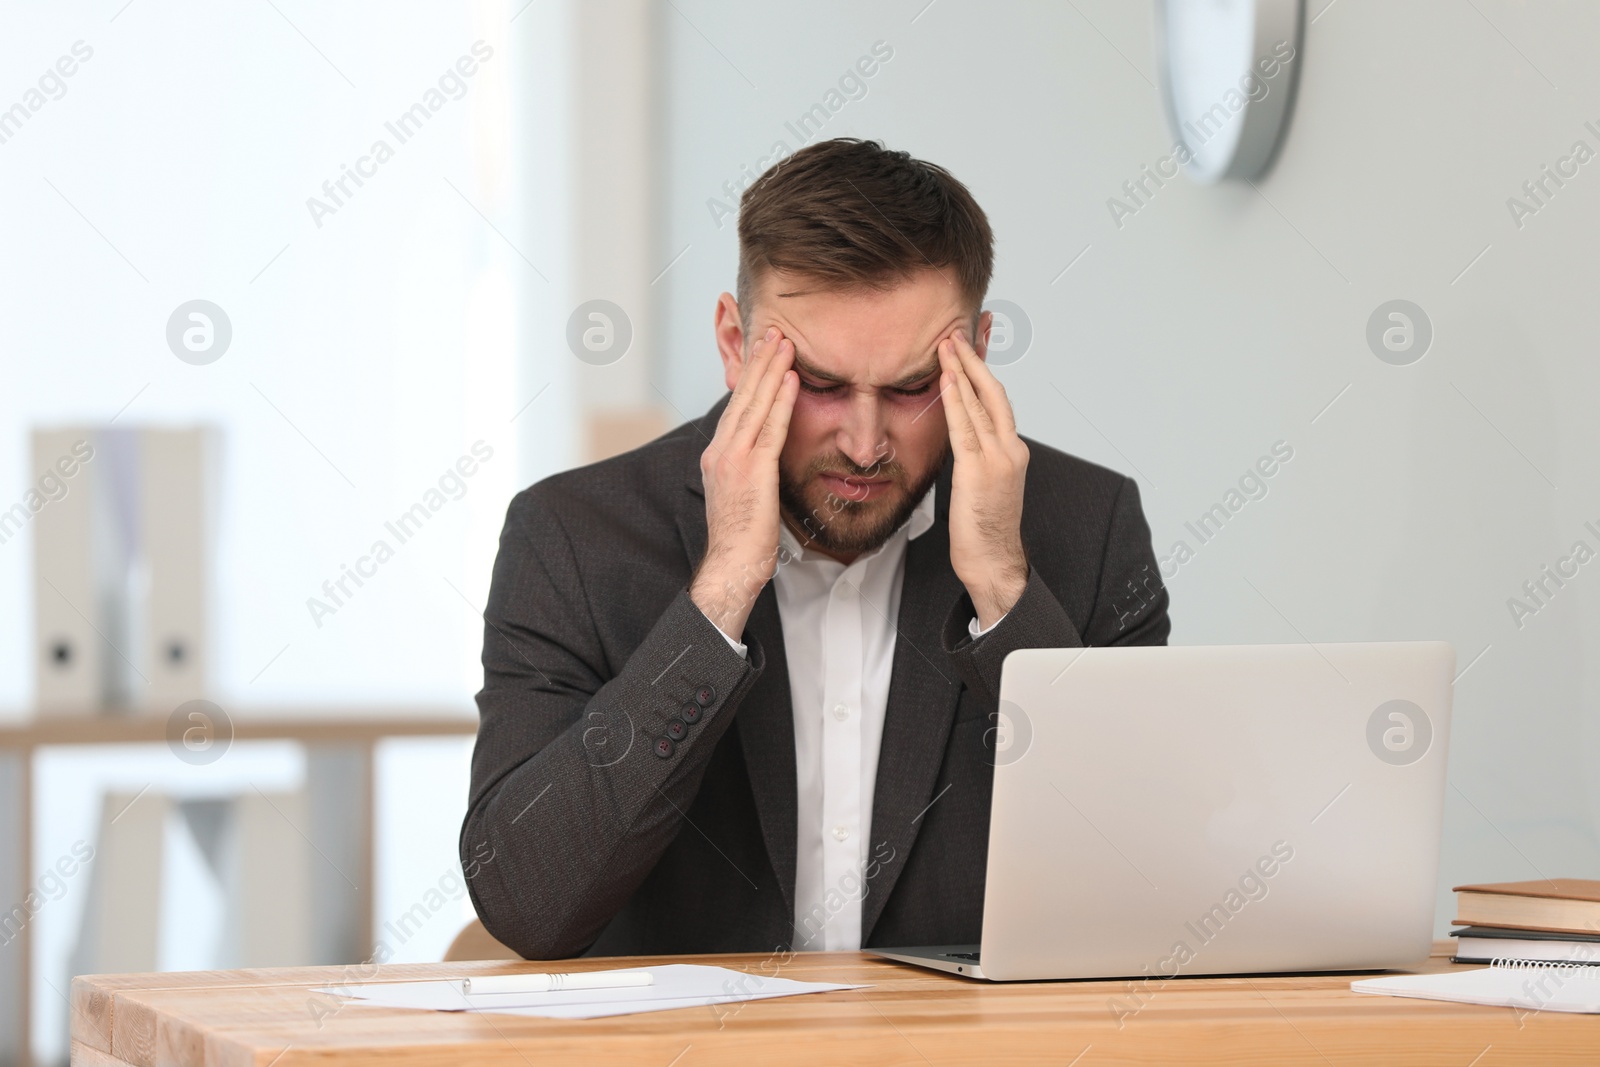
1527	984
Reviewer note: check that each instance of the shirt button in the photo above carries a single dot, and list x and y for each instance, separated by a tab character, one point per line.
841	712
841	832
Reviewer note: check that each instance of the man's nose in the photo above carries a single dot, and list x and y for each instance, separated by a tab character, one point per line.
864	436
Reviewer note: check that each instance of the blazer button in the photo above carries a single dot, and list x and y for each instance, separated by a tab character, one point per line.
691	714
705	696
676	729
663	747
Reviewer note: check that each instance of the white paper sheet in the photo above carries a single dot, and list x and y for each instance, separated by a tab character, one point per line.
1551	987
677	985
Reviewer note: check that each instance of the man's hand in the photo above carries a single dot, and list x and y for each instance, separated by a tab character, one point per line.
986	484
740	471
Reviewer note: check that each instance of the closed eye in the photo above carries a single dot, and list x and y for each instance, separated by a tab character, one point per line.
829	390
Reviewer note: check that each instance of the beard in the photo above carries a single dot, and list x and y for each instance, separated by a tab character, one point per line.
839	525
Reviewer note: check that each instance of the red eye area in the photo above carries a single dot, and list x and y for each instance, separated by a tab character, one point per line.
833	390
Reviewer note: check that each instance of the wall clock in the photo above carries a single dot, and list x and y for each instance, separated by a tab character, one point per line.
1228	74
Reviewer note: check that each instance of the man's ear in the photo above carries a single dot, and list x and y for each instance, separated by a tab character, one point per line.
981	344
730	338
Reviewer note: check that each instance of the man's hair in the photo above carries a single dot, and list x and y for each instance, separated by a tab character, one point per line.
849	214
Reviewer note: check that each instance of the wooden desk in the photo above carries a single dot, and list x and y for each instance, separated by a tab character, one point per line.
909	1016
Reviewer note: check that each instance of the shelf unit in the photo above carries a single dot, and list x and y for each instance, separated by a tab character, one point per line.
339	743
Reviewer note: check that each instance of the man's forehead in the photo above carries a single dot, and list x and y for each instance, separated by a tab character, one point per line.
870	372
926	289
862	336
860	361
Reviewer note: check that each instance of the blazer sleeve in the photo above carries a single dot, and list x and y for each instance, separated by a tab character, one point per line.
572	802
1130	606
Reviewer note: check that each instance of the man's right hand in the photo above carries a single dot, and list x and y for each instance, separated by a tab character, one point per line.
740	472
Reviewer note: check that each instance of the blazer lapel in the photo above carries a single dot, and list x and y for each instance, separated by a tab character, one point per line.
765	724
765	719
923	691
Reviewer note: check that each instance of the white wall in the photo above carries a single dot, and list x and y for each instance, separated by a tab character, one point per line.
368	353
1217	321
366	358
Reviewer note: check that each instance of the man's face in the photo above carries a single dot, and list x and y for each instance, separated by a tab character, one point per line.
867	438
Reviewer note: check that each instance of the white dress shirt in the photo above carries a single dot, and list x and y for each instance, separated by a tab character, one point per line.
839	637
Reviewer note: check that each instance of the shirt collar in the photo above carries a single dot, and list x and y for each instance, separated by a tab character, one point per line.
919	522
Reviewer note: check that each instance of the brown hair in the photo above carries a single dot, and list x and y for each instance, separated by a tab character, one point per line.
851	214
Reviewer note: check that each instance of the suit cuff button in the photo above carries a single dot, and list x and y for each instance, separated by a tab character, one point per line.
664	747
676	729
705	696
691	714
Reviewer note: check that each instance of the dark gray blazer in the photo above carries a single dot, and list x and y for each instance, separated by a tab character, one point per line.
590	832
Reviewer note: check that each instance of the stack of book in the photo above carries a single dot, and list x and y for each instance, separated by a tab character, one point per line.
1555	920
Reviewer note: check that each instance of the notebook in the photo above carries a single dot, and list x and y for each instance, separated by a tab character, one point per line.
1484	944
1525	984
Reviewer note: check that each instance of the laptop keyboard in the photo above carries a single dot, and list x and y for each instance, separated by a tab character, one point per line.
973	956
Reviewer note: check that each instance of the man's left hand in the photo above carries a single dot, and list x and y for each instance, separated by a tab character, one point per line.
986	486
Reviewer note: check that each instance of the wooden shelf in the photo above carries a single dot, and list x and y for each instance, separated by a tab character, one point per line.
340	738
312	725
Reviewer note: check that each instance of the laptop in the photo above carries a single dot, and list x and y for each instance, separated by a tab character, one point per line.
1232	809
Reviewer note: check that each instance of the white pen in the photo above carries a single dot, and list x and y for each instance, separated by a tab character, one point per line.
549	983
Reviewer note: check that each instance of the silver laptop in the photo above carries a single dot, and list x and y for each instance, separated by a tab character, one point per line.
1230	809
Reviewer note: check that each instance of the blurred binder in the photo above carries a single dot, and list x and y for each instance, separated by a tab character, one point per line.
175	539
121	564
69	665
120	931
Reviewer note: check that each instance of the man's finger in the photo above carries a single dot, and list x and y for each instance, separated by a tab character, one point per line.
759	409
962	434
737	413
776	429
988	387
978	418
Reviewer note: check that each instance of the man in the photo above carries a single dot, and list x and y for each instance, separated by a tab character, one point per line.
741	684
